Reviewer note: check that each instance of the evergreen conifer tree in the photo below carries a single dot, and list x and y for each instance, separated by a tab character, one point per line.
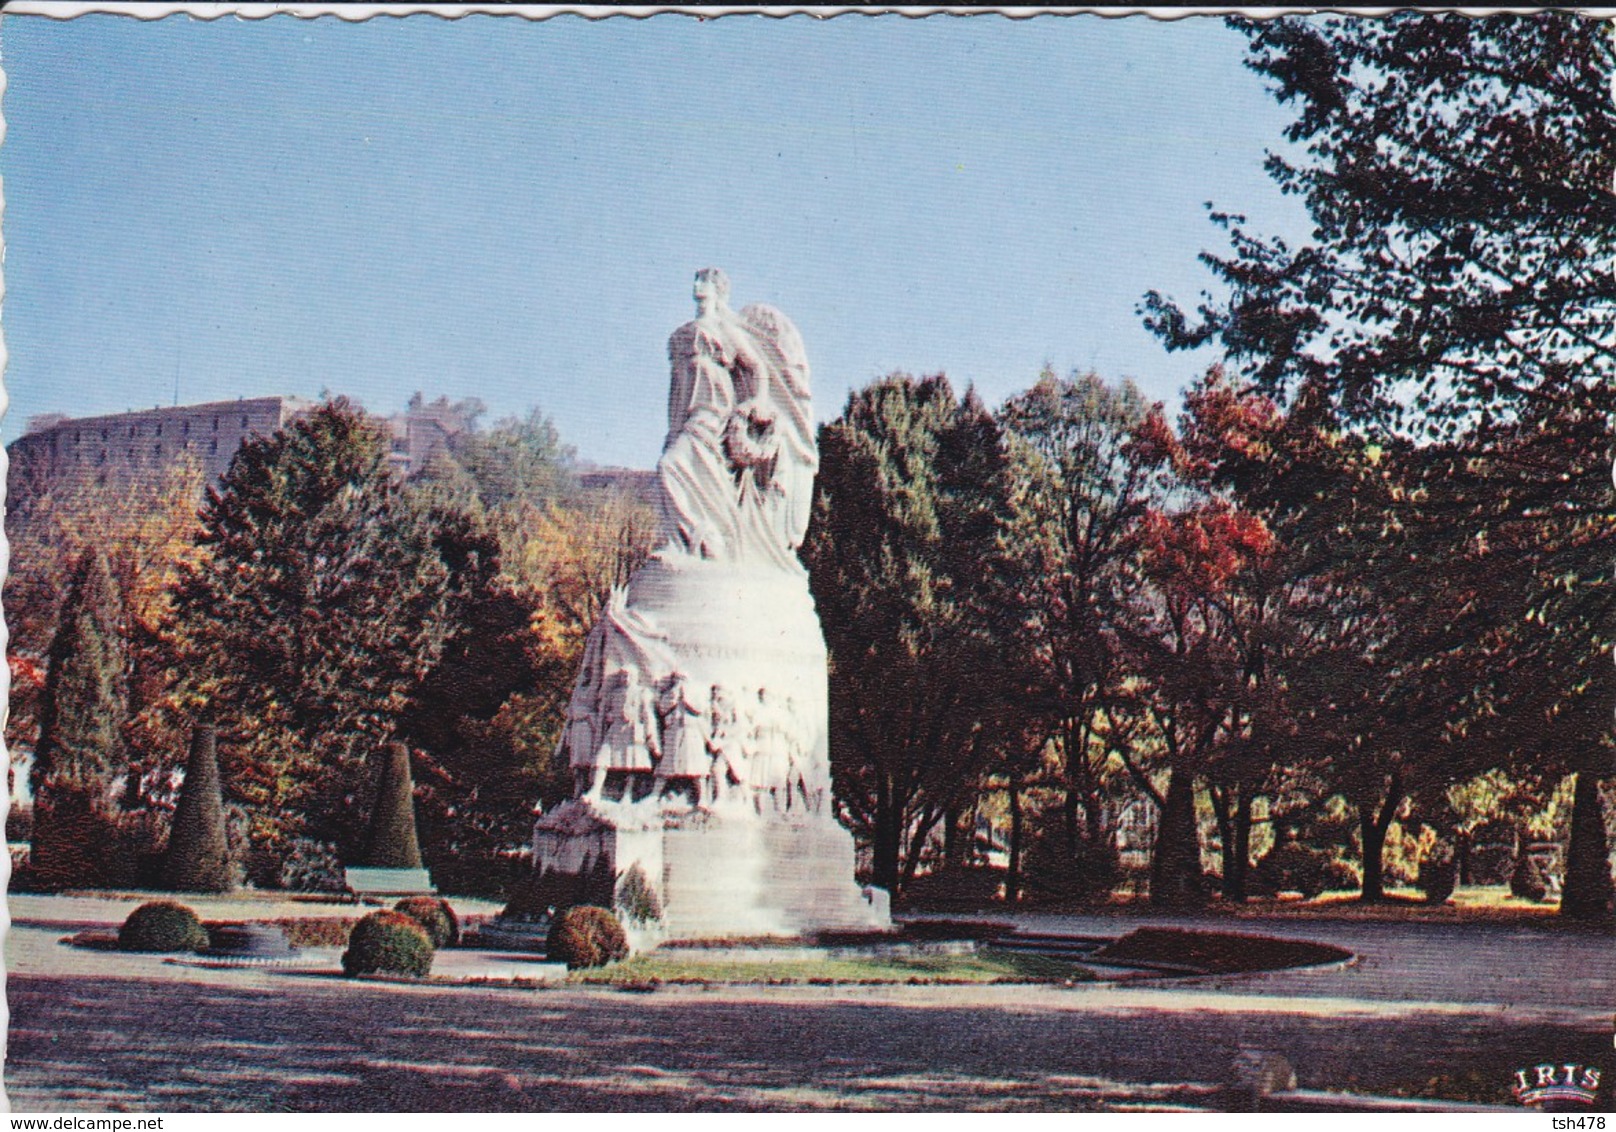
80	747
81	718
323	602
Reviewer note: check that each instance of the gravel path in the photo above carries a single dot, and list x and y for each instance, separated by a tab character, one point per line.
95	1031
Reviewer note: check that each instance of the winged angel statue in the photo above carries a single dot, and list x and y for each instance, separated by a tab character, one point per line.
737	469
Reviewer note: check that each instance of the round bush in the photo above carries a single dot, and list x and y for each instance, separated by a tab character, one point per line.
162	925
1339	876
1292	867
1439	874
441	924
1528	881
388	943
586	936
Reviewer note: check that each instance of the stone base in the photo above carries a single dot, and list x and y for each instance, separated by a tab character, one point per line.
364	882
720	873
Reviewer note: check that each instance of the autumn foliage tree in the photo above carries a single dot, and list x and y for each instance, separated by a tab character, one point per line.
1455	298
322	602
1088	463
1186	649
144	527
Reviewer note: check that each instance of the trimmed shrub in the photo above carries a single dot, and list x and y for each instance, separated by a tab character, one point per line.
1528	881
1439	873
198	858
1294	867
441	924
636	898
77	841
307	865
389	943
393	843
20	823
586	936
162	925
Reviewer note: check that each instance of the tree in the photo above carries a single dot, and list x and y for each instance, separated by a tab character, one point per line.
1088	465
1588	893
904	522
321	604
484	721
1184	648
1324	656
518	462
80	753
536	556
1457	173
1456	293
1248	587
85	697
145	528
573	554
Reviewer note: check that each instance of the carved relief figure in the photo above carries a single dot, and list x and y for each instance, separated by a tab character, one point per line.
770	738
581	747
796	790
686	712
631	742
724	742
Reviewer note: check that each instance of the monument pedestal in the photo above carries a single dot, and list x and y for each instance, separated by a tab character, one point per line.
720	872
697	731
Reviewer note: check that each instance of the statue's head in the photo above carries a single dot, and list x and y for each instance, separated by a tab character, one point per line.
712	286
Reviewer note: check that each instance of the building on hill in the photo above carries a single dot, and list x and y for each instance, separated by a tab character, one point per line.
133	446
426	428
127	447
635	483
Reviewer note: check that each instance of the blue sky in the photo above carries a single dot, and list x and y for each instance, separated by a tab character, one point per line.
513	210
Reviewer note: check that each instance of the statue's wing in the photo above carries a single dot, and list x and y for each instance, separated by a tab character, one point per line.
790	387
780	337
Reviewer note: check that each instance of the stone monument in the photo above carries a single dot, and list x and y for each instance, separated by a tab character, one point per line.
696	731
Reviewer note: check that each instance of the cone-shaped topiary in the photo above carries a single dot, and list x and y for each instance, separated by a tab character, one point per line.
434	914
86	695
389	943
393	844
1589	893
586	936
162	925
198	858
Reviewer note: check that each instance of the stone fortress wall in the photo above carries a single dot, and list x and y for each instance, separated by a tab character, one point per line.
125	447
